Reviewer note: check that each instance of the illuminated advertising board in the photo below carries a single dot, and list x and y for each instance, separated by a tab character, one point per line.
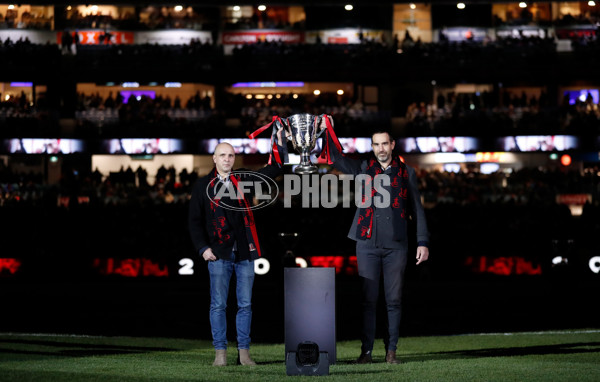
172	37
344	36
43	146
142	146
263	35
522	31
458	34
582	95
437	144
263	145
240	145
532	143
100	37
576	32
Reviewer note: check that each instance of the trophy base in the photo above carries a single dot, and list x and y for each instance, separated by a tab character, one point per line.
306	169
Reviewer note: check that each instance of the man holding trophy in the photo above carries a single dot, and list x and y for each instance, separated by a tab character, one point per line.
223	231
381	235
380	230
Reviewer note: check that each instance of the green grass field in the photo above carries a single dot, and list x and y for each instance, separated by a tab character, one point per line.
545	356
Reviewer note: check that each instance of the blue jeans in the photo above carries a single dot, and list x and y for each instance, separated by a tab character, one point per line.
220	272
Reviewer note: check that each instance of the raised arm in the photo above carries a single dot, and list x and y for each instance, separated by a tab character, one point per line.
273	169
341	162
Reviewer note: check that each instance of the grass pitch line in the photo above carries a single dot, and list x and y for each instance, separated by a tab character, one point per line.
13	334
583	331
535	333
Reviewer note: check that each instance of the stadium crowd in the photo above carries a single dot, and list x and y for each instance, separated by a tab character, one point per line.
521	187
516	211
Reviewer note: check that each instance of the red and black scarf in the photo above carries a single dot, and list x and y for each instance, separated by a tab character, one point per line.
330	133
220	225
398	195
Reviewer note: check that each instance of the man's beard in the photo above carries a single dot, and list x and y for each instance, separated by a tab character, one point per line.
383	157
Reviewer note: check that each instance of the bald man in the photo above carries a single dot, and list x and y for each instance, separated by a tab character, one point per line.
223	232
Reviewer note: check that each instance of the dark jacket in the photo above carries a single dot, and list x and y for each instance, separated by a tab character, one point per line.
199	218
385	234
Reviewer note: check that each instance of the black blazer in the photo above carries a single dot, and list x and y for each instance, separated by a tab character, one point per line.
385	234
199	220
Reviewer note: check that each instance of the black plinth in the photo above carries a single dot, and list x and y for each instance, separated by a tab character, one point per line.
310	309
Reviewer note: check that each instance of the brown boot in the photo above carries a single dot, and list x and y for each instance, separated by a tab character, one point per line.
244	358
390	357
220	357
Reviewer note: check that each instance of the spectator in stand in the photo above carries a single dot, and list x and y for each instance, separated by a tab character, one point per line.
65	42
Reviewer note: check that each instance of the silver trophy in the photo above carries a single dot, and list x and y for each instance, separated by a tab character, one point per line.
303	129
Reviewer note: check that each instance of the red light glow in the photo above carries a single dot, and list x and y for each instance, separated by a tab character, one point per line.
10	264
347	265
504	266
131	267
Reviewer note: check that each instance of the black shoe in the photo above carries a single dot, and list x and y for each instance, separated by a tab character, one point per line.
365	358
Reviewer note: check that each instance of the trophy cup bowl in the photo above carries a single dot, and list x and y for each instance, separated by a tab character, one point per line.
303	129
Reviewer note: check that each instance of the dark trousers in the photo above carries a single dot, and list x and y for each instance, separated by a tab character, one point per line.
372	264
